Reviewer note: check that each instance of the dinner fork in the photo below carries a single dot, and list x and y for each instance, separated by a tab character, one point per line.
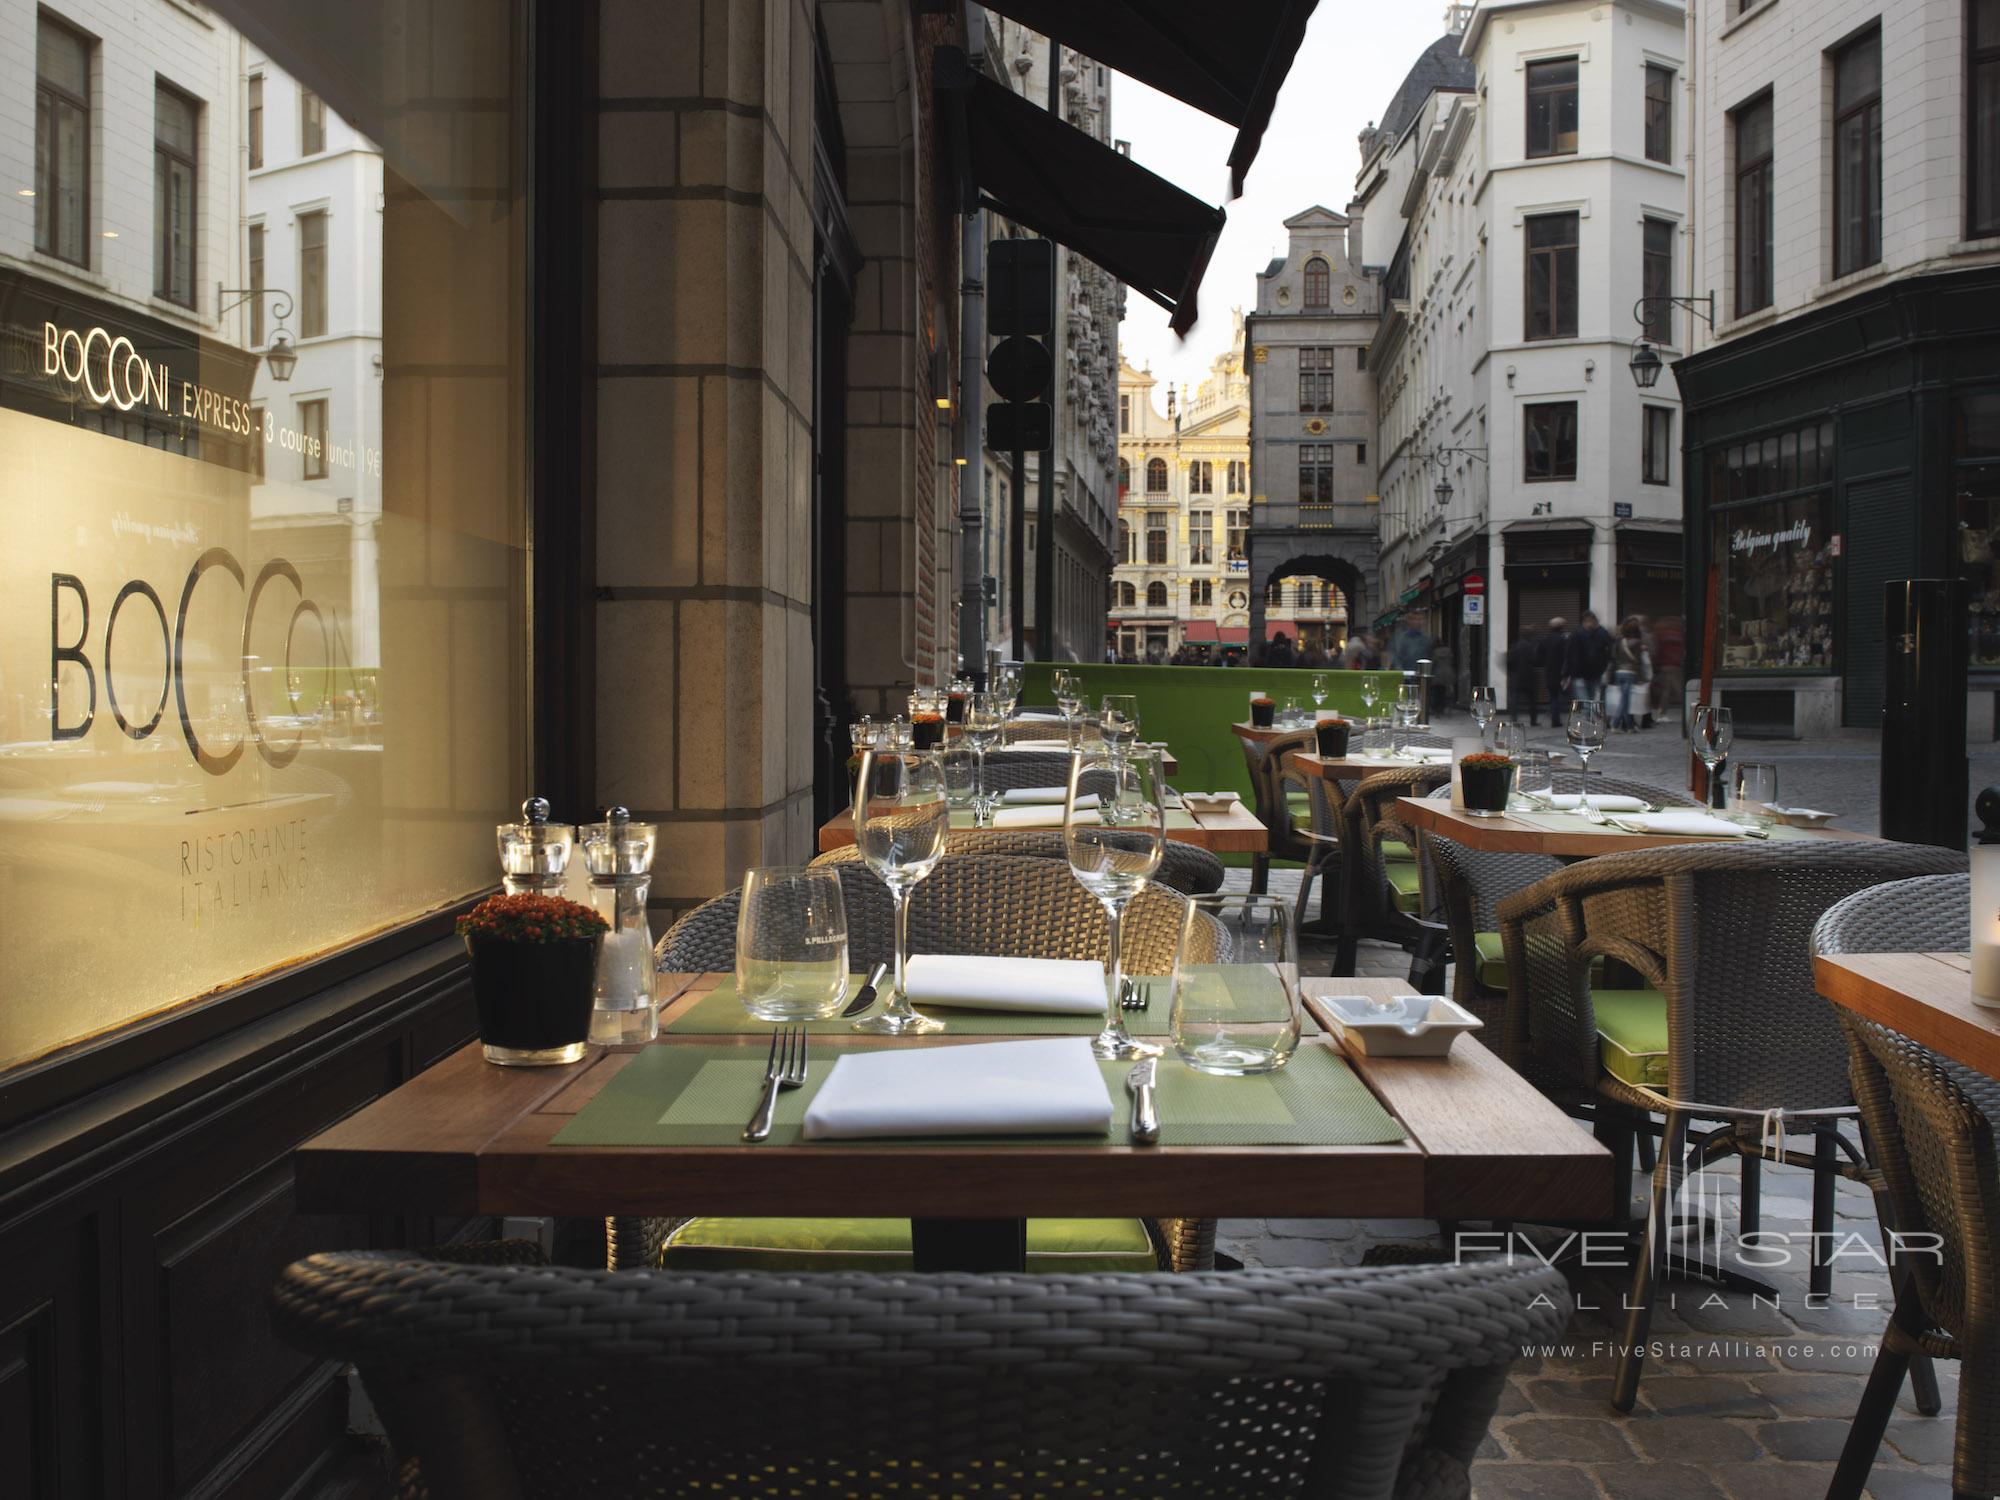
784	1069
1132	995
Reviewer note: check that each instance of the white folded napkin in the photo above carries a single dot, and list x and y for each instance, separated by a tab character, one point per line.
1046	1087
1035	796
1688	822
1034	817
1031	716
1052	986
1603	801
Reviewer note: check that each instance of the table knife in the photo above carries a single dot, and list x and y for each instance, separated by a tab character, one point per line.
865	996
1145	1111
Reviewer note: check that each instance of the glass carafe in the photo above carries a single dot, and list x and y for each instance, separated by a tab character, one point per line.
534	853
619	855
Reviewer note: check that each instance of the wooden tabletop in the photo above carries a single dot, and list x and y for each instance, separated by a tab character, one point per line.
1925	996
1235	830
469	1138
1355	767
1509	835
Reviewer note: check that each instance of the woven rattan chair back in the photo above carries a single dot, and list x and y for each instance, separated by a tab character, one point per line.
1187	868
1033	768
984	904
1047	729
553	1382
1569	782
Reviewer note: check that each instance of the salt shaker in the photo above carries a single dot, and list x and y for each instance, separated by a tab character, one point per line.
619	854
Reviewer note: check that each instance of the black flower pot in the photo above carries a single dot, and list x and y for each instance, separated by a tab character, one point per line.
534	999
1486	788
1263	714
1332	736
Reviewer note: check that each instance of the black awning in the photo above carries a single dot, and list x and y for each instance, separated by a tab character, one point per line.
1047	175
1227	61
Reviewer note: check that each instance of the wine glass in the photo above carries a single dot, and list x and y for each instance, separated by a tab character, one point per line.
1585	729
1320	690
1118	722
1113	851
1484	707
1005	684
1371	693
791	944
1714	731
1069	698
1236	985
901	817
983	722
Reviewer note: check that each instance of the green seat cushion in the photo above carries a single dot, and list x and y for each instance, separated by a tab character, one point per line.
1632	1035
1492	960
1299	805
1405	884
884	1245
1395	852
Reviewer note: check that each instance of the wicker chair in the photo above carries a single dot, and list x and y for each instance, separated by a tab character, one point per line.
1008	770
1381	888
1271	788
550	1382
1721	935
1187	868
1047	729
986	904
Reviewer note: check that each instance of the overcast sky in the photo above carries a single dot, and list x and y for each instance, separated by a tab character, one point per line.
1353	58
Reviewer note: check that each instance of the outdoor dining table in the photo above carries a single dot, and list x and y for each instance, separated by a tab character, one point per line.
1352	767
1925	996
467	1138
1568	836
1231	830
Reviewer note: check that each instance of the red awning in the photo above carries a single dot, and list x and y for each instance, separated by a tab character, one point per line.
1236	635
1199	630
1272	627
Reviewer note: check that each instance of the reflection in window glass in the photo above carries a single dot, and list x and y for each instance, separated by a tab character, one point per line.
285	713
1976	479
62	142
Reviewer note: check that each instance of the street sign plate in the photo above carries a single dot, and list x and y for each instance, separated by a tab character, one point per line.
1026	425
1475	583
1475	609
1621	510
1019	369
1020	286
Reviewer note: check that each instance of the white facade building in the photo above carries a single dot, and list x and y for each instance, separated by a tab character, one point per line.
1526	205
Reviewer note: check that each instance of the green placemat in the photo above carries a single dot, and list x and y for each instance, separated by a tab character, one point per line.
721	1013
1176	818
694	1095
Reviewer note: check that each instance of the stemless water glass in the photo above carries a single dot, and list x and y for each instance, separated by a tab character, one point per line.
901	817
1118	722
1756	790
1292	711
961	777
1484	707
1113	851
1714	730
1236	985
1585	728
983	722
791	944
1381	739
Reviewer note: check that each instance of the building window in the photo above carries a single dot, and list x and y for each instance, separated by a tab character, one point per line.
1156	596
1361	453
1239	476
1552	107
1201	594
62	142
1201	538
1156	536
1128	596
1360	356
1274	594
1549	443
312	439
257	442
1307	594
1656	272
1315	380
312	123
1201	477
1857	154
1124	475
1124	413
1976	482
1659	113
312	275
1319	292
256	304
1237	540
1156	476
1754	218
1552	298
1124	542
1982	119
1315	473
1656	446
175	118
254	125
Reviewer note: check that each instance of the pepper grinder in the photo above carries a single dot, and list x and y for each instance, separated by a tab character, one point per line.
619	854
534	853
1986	901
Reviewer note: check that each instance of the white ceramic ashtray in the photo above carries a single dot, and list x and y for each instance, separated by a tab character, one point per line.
1801	817
1401	1026
1209	801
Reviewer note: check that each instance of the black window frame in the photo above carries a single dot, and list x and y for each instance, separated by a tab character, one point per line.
1562	262
1659	111
1982	167
1156	466
1201	477
1316	473
1317	271
1157	596
49	185
1554	94
1530	413
1864	113
1201	538
1656	277
1316	379
1755	284
1159	547
1656	449
1124	413
1238	476
165	158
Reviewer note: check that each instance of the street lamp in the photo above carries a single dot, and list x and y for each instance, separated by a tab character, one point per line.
280	354
1646	365
1646	361
1444	494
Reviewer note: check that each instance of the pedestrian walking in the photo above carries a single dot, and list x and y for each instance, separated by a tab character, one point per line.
1524	676
1631	665
1586	660
1555	652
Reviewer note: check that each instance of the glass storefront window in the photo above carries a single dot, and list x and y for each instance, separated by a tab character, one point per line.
1772	530
1976	479
263	647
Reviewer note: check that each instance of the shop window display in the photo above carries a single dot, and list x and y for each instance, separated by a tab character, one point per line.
1772	540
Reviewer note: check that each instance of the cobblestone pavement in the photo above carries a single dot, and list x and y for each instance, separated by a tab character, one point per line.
1749	1399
